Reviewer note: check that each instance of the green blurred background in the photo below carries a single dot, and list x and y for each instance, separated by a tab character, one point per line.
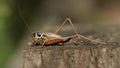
19	18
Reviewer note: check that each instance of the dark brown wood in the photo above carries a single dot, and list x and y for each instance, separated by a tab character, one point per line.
76	56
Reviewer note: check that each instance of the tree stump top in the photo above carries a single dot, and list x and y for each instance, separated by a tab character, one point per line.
80	55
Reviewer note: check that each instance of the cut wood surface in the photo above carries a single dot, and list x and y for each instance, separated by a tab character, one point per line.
80	55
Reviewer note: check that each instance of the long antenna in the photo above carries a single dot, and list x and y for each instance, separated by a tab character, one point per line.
21	16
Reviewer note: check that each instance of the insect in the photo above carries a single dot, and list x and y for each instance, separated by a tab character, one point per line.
48	38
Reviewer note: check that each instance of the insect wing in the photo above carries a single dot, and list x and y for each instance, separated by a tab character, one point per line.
52	36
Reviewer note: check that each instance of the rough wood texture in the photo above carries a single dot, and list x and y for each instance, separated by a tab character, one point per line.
77	56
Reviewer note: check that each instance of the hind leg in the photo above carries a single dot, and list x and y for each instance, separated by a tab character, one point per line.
67	20
81	37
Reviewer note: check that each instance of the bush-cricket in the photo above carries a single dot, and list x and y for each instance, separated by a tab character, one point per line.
48	38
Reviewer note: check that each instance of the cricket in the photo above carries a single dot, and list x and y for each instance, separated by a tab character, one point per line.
48	38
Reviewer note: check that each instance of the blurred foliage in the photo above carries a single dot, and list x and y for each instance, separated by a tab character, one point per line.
12	27
5	50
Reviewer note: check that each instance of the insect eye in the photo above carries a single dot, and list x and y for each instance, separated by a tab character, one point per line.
38	34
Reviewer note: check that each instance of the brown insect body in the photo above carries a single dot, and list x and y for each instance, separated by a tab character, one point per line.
48	38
